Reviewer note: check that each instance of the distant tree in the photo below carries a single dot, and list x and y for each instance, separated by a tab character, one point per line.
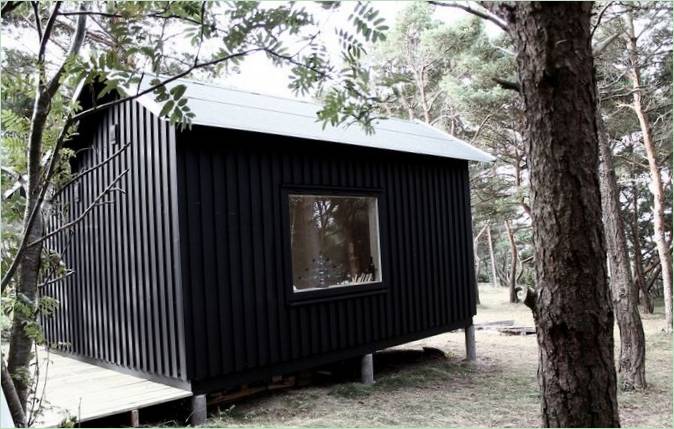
644	107
446	75
418	54
624	288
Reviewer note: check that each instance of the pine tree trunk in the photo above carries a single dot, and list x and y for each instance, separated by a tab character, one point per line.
494	277
572	309
656	186
512	287
639	278
476	257
625	295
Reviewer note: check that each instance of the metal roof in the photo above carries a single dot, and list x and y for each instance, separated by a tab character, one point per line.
220	107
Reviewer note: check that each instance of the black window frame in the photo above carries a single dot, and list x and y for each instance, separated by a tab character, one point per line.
334	293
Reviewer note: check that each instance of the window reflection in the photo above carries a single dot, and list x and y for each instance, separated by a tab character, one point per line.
334	241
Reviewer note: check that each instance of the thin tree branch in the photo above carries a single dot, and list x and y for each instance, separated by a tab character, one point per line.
599	17
89	170
46	35
38	22
652	20
93	13
75	46
654	277
153	15
600	47
477	12
507	84
479	129
201	33
477	237
91	206
57	279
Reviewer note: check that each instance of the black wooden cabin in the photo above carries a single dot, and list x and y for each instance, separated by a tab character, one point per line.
257	243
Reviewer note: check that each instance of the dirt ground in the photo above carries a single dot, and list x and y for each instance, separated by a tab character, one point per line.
414	388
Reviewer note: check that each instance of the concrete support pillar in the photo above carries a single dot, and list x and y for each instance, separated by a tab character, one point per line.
135	419
199	412
470	342
366	370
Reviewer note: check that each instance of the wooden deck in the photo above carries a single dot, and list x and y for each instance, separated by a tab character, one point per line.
88	392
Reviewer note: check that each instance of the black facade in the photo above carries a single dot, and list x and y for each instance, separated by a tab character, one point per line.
186	277
122	304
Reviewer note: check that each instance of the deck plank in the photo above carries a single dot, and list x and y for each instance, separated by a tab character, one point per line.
89	392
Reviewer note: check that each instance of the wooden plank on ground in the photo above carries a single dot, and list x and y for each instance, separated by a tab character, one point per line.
87	391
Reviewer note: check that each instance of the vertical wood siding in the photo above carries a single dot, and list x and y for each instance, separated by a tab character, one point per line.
122	305
238	316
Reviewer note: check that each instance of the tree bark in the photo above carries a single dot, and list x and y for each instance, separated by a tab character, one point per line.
476	257
13	401
21	343
512	280
494	278
639	277
624	294
571	308
656	186
477	263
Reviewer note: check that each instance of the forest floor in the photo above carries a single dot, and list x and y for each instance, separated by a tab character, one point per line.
414	388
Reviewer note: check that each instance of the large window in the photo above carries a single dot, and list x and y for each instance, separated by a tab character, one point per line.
334	241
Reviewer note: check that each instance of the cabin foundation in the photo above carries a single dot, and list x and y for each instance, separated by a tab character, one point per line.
470	342
134	419
367	369
199	410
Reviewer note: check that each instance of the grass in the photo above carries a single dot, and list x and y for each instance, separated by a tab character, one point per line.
414	388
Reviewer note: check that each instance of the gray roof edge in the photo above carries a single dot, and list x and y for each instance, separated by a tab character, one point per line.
461	149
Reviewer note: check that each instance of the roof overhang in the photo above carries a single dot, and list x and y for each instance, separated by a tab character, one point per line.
215	106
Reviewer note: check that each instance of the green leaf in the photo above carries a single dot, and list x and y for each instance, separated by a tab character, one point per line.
178	91
167	108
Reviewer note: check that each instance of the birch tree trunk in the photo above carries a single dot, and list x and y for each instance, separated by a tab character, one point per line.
571	308
656	186
624	294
